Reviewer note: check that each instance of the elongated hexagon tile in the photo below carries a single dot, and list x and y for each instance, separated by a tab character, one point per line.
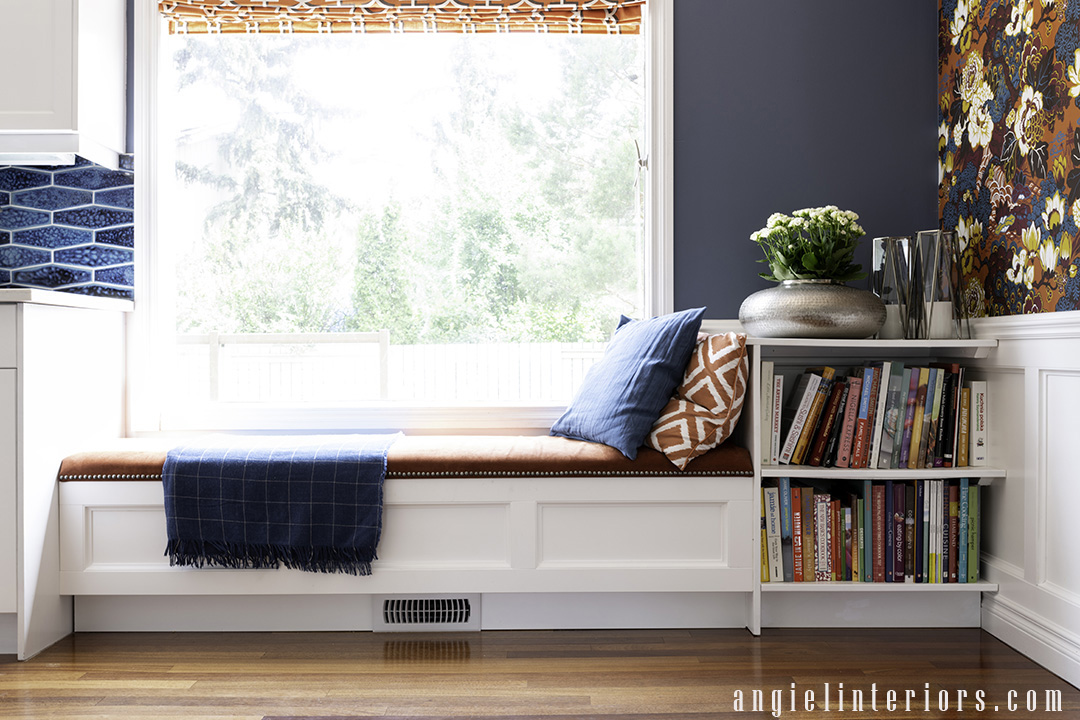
5	198
13	256
124	275
5	278
92	177
5	237
52	198
102	291
51	276
122	236
93	256
93	217
119	197
13	218
17	178
53	236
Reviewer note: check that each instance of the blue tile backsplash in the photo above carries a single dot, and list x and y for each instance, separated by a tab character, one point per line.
68	228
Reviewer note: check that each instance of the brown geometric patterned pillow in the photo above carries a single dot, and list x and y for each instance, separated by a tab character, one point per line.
707	405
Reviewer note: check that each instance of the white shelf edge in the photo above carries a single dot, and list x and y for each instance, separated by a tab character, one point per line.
848	587
983	474
976	348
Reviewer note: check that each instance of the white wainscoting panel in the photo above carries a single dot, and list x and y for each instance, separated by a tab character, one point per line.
1030	526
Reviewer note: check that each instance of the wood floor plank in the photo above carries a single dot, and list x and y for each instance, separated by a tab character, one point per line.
613	675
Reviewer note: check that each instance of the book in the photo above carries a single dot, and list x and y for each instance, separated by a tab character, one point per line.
878	519
958	391
868	531
901	412
963	426
857	540
888	513
917	419
809	535
946	435
862	422
973	533
766	402
802	447
889	413
784	487
765	544
909	417
771	496
962	532
828	419
796	535
933	549
836	541
909	532
777	413
828	458
847	431
823	538
898	531
927	406
954	530
879	412
932	451
796	411
979	434
920	499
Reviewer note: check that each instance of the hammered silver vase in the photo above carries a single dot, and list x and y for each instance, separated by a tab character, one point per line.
812	309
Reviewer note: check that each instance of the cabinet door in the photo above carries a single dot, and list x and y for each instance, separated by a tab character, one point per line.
37	52
8	570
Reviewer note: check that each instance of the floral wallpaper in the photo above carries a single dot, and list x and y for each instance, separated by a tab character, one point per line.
1009	150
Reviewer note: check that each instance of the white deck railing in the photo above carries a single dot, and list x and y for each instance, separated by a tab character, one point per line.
357	367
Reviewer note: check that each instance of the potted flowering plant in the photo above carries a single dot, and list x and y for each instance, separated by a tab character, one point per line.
811	254
811	244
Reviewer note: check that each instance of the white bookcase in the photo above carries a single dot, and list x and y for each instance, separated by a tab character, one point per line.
825	604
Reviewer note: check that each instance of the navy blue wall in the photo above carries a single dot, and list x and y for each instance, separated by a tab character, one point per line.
785	104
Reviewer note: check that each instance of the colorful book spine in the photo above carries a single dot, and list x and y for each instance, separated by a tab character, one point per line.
824	429
809	521
784	487
772	533
898	533
974	517
909	532
979	434
802	447
764	543
963	427
917	420
858	542
909	417
878	519
889	530
766	401
868	531
920	499
803	399
881	400
927	408
891	409
777	419
796	535
851	414
962	536
954	531
862	423
938	387
831	446
823	532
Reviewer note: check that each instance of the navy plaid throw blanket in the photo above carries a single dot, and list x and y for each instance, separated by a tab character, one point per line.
311	503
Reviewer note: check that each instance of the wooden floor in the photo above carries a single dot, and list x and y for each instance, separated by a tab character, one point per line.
646	675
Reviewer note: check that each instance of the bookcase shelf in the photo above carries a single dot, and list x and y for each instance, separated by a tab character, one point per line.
985	475
802	603
849	587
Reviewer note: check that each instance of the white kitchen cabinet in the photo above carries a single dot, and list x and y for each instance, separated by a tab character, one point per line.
64	80
61	391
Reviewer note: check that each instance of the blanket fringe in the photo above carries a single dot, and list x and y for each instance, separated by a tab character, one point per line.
198	554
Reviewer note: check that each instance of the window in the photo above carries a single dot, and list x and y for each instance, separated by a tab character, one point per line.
404	222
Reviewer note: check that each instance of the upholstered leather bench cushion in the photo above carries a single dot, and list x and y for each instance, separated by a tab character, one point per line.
448	456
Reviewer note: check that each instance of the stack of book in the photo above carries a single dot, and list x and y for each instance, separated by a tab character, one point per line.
884	415
919	531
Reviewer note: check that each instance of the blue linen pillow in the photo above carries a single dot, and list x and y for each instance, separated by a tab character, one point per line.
622	394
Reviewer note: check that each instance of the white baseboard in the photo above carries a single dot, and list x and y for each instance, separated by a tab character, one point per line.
1047	643
870	609
500	611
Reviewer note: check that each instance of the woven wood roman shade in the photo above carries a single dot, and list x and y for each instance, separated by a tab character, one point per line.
401	16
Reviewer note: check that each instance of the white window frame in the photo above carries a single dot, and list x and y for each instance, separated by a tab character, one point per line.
147	414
